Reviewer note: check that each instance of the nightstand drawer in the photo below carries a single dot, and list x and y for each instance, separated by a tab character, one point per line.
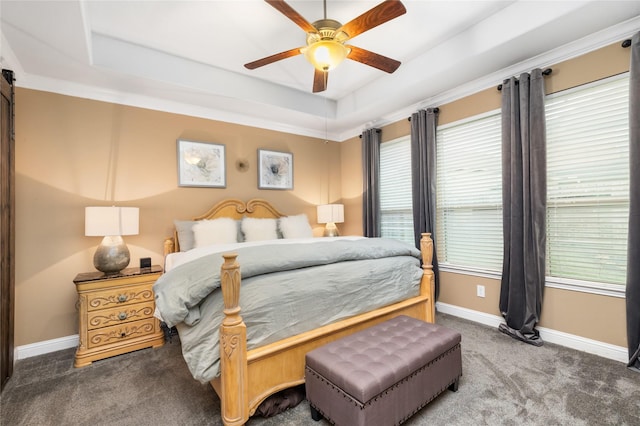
122	332
119	297
120	315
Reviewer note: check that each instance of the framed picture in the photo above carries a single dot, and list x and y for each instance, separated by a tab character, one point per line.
275	170
201	164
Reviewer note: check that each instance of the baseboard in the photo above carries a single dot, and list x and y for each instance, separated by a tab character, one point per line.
470	314
605	350
44	347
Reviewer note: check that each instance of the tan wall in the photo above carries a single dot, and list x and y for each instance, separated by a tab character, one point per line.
592	316
72	153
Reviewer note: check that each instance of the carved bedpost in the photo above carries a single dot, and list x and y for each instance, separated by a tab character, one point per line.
234	397
169	246
426	248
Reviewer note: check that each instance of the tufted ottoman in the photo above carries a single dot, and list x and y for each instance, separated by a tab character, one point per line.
384	374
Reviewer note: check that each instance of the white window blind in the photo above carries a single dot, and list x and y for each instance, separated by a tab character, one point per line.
588	182
395	190
469	193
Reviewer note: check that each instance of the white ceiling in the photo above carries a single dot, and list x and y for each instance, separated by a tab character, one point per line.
188	56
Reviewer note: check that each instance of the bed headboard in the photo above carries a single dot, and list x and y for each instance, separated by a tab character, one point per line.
232	208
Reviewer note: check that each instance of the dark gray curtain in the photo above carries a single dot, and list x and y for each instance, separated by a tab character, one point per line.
371	182
633	246
524	188
423	176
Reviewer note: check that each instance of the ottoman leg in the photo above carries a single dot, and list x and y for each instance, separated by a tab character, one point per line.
315	414
454	386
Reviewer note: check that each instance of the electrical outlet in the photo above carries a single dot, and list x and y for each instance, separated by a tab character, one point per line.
480	290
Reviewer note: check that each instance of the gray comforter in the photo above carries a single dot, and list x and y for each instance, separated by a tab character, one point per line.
286	290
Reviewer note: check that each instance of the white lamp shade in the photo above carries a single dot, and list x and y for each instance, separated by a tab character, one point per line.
331	213
110	221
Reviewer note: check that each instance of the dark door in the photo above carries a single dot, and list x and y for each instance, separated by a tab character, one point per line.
7	227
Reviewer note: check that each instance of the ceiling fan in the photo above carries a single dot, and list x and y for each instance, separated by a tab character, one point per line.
325	47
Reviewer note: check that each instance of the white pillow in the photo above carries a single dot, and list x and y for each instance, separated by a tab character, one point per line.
295	226
259	229
216	231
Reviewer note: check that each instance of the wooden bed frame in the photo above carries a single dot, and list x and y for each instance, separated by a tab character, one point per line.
248	377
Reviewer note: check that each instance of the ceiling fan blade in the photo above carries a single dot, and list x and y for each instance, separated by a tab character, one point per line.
273	58
373	59
290	13
320	80
380	14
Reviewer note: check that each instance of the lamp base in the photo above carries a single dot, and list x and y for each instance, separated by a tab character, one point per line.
331	230
112	255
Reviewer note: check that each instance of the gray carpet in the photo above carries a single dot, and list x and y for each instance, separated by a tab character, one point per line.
504	382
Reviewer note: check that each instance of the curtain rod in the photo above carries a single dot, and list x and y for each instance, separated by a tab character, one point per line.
436	110
545	72
626	43
377	131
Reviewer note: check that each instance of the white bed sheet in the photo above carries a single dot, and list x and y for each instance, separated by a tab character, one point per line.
175	259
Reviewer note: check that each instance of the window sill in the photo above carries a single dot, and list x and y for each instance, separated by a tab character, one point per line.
602	289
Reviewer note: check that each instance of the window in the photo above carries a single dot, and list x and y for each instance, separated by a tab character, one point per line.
587	189
469	194
588	182
396	202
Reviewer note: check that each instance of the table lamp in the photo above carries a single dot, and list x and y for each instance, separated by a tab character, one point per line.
112	255
331	214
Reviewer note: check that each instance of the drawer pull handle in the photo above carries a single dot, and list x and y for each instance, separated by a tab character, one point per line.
122	316
122	298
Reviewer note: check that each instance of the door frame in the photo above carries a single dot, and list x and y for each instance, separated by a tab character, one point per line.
7	226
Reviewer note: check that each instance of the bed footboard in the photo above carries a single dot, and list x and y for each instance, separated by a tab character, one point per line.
248	377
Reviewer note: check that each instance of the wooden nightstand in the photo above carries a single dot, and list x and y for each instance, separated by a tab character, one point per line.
116	313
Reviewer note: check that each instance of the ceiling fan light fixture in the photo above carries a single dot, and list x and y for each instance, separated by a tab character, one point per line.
326	55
